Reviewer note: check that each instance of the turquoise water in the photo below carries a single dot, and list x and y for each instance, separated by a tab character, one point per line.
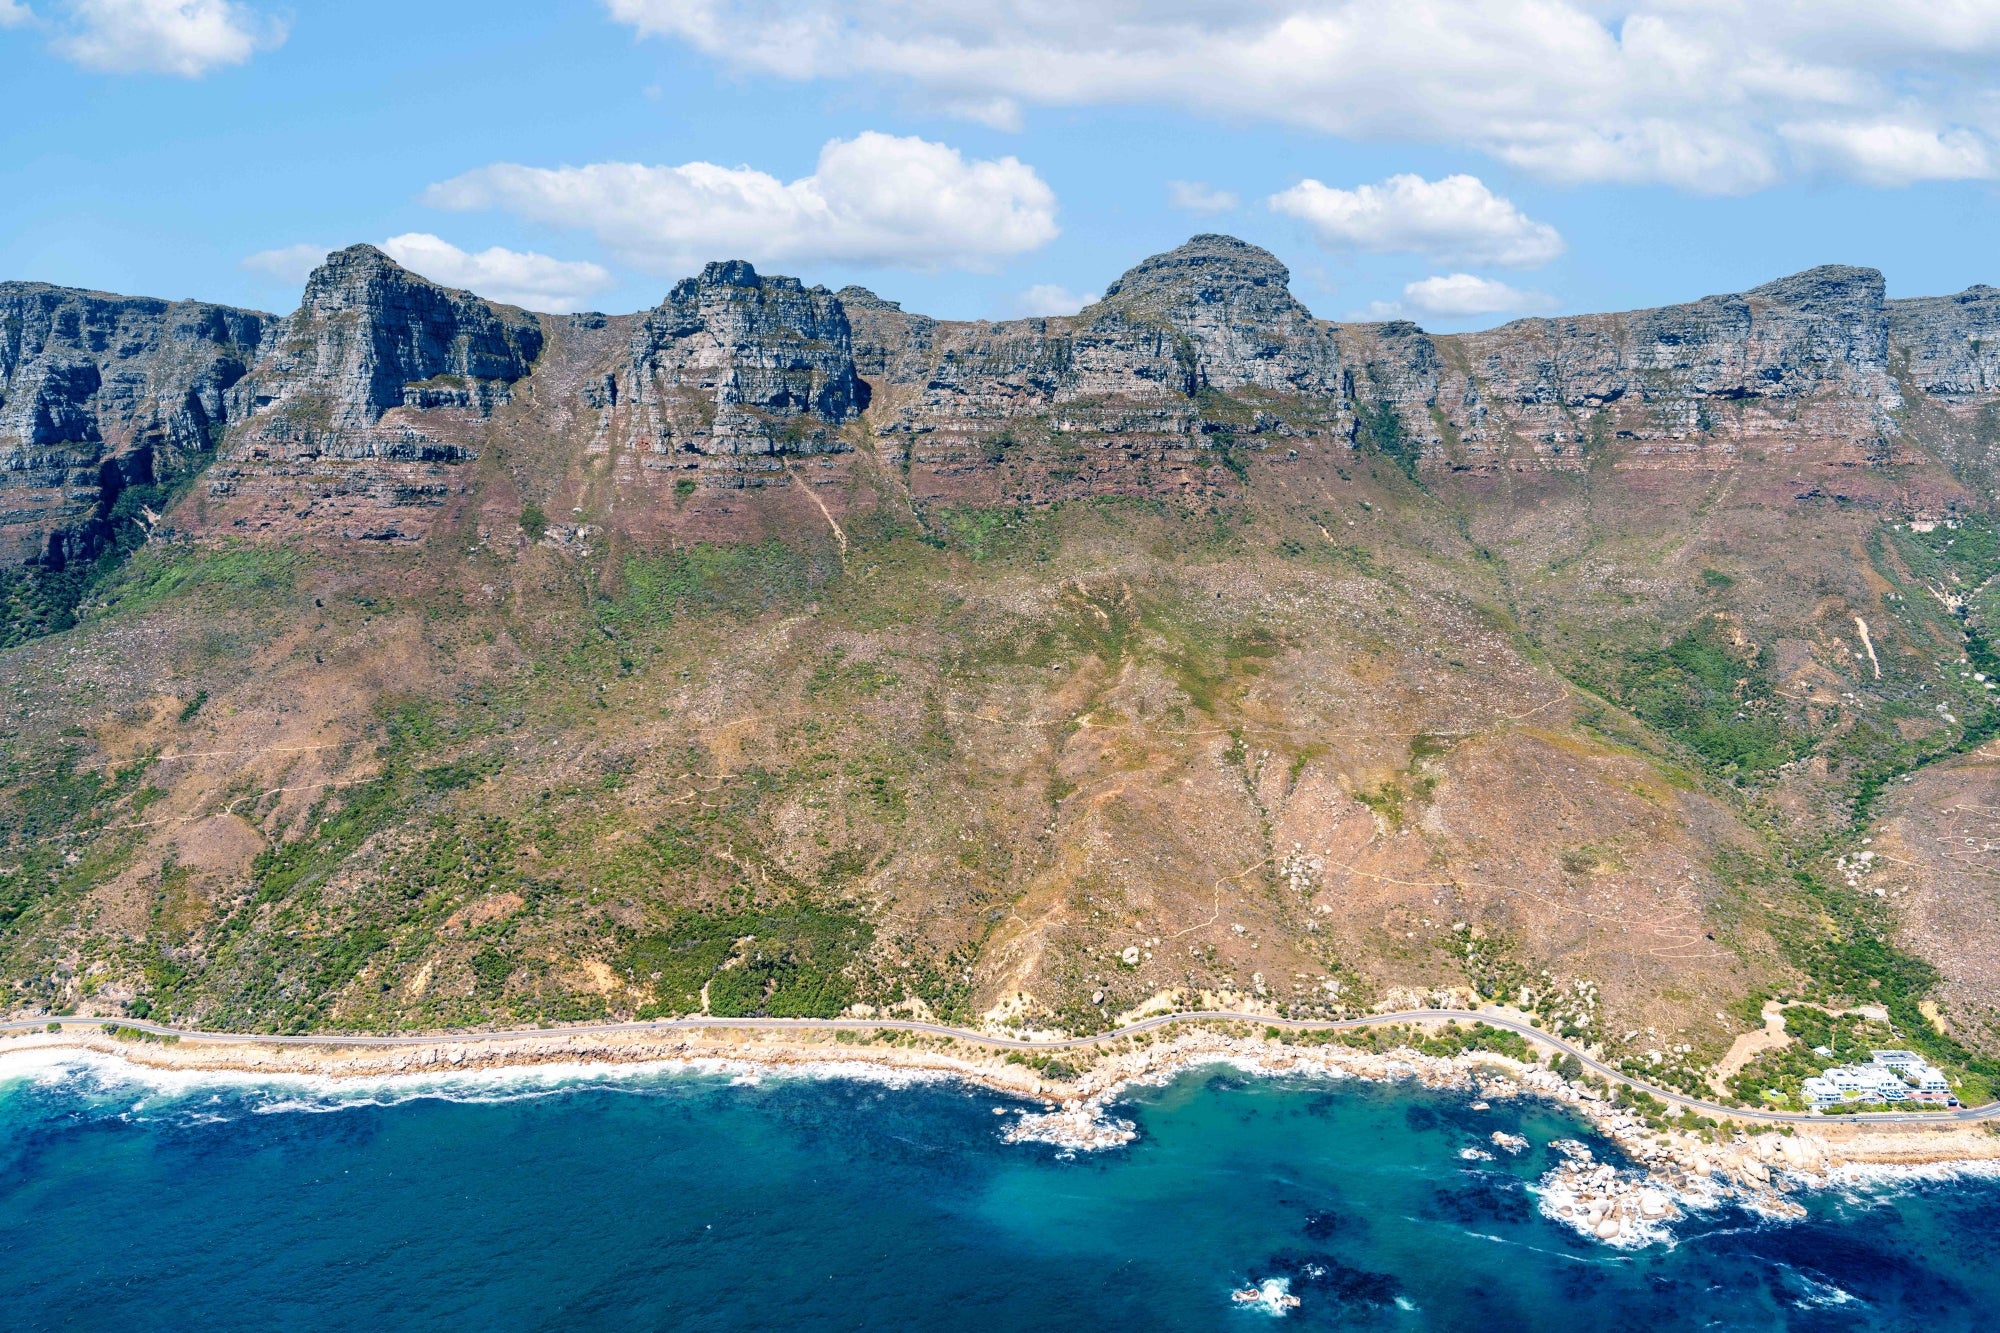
679	1201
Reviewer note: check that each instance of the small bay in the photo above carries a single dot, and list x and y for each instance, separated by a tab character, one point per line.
674	1199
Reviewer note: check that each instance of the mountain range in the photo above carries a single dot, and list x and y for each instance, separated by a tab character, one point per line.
413	660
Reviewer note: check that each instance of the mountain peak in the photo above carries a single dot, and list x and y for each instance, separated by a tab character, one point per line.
1824	285
729	273
1206	267
1232	302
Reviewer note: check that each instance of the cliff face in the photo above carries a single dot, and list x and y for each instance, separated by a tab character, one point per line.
1118	398
1949	346
370	338
374	388
734	370
1802	359
364	400
1223	310
99	392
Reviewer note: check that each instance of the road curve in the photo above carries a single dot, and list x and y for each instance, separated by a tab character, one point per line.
1960	1116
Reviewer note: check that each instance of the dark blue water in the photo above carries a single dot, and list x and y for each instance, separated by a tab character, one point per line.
678	1201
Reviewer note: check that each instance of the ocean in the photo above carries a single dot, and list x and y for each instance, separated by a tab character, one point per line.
662	1199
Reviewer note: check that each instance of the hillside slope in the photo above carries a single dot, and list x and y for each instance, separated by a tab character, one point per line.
780	651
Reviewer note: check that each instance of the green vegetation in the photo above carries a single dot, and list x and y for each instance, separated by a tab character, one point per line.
1385	800
238	576
37	600
59	825
121	1032
741	581
1842	942
1048	1066
1380	427
1848	949
1710	694
1657	1115
780	962
1446	1041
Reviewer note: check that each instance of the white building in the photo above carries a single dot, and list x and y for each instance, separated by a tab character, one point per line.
1901	1061
1889	1076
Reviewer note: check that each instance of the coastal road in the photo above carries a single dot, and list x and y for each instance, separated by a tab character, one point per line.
1961	1115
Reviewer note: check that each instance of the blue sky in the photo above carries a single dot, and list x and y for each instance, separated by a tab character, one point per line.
1004	157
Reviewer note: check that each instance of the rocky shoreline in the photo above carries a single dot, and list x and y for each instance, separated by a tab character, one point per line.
1671	1172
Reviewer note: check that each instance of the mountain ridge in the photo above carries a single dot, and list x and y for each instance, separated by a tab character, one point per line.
778	650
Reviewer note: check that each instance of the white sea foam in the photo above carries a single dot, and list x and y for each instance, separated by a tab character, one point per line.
1085	1126
1877	1178
1822	1295
1079	1127
1273	1296
104	1076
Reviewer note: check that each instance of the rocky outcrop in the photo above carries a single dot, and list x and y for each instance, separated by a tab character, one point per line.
1802	359
1195	358
1119	397
890	344
100	392
735	369
377	386
371	339
1949	346
1226	313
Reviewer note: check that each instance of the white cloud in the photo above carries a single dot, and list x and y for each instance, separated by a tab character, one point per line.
1454	220
1048	298
1197	197
13	13
515	277
874	200
184	37
1884	154
289	264
1463	296
1692	93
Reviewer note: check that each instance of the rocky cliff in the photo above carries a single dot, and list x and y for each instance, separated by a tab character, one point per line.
365	399
1802	359
1948	346
373	389
100	392
1123	397
370	338
734	370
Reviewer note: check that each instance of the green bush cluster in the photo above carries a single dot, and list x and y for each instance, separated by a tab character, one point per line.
122	1032
1445	1042
780	962
1048	1066
1709	695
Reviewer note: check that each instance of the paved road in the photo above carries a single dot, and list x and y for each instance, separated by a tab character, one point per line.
1970	1113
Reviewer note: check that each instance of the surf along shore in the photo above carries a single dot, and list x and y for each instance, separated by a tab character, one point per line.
1695	1161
